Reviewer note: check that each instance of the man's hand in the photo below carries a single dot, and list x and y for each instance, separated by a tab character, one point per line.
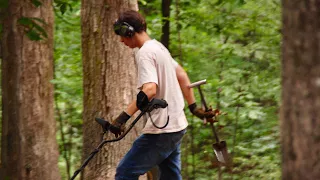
200	113
118	125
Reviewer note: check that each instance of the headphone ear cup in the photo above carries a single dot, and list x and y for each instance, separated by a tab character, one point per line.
123	30
129	30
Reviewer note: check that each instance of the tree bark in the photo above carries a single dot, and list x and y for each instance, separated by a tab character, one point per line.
300	110
109	83
29	149
165	23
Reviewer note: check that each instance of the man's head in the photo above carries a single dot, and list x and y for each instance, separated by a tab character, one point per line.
131	27
129	23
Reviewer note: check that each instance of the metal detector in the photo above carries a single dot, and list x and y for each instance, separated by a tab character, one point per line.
220	147
153	104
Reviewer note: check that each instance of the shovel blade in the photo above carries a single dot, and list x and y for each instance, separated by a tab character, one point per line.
220	149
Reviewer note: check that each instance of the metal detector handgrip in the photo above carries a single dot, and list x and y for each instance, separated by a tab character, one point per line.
156	103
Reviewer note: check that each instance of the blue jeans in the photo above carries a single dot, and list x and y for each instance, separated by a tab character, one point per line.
150	150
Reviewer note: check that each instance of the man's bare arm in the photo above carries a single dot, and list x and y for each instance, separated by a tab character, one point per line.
184	82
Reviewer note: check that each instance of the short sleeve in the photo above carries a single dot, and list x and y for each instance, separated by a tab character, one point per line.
175	63
147	71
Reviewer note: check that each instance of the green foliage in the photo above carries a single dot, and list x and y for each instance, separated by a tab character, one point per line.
32	28
235	45
63	6
142	2
68	88
37	3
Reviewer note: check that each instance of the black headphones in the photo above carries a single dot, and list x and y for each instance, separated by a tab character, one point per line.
123	29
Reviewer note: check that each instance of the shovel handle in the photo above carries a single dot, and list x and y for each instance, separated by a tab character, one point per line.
203	101
214	132
198	83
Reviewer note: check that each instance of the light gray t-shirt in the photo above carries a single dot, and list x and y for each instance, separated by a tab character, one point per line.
155	64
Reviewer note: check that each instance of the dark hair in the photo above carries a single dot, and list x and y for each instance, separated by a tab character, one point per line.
134	19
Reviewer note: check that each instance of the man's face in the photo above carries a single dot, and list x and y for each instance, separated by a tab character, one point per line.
128	41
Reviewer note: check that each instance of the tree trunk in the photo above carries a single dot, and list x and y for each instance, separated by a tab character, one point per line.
29	149
300	110
109	83
165	22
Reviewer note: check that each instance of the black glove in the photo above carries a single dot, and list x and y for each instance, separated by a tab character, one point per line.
118	125
200	113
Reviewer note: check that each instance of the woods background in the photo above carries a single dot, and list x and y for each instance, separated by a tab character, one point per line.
62	65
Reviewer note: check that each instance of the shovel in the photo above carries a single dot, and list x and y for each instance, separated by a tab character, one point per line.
220	147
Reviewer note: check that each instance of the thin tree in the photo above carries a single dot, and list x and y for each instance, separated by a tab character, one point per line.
29	149
178	24
300	115
165	22
109	83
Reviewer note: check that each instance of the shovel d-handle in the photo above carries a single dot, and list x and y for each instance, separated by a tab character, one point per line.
153	104
198	83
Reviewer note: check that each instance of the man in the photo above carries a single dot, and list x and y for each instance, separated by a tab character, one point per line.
159	76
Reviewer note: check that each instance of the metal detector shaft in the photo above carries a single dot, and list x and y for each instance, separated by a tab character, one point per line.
153	104
93	153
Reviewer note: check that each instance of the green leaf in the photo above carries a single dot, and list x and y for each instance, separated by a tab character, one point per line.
63	8
143	2
241	2
41	30
25	21
70	7
37	3
219	2
33	35
33	30
39	20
